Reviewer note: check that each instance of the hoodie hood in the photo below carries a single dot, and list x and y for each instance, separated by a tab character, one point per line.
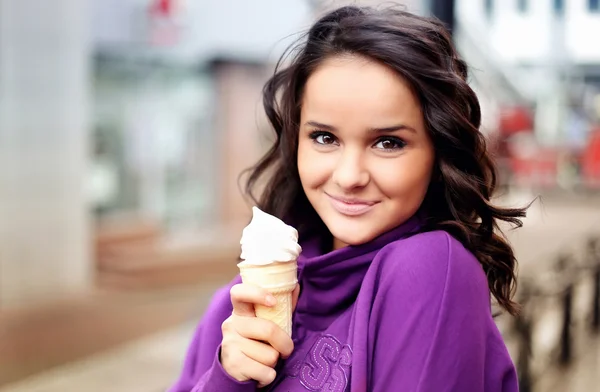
330	282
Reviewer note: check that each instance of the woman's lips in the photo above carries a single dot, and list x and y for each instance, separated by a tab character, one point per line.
350	206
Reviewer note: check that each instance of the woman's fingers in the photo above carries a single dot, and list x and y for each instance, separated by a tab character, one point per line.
265	331
241	367
245	296
252	346
254	370
260	352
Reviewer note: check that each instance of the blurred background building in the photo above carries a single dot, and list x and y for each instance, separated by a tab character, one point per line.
124	128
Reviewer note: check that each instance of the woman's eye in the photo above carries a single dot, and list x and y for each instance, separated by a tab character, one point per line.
323	138
390	143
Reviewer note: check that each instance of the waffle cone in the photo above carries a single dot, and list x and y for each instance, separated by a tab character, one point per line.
279	279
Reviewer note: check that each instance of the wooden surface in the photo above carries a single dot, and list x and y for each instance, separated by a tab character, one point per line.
145	283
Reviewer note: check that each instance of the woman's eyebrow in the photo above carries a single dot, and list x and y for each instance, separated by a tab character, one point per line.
397	127
321	126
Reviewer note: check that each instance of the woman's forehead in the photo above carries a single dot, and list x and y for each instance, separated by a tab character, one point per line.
346	89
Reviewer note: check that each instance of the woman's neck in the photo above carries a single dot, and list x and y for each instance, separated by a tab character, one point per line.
338	244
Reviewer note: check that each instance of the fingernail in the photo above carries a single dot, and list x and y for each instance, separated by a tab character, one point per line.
271	300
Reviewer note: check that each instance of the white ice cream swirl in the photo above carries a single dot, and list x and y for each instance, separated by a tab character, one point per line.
268	240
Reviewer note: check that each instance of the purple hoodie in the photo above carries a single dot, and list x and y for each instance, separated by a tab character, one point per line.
404	312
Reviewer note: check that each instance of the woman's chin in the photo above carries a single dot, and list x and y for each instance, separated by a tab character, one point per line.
345	236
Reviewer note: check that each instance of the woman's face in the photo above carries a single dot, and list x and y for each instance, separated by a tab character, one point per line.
364	157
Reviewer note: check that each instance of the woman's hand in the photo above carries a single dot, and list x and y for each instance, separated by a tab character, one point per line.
251	346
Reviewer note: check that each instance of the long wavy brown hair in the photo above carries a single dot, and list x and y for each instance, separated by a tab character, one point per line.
421	51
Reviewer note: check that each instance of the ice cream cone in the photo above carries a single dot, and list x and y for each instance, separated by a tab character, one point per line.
280	279
270	251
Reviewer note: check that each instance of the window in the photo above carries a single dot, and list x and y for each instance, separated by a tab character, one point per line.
559	7
154	141
594	5
489	7
522	5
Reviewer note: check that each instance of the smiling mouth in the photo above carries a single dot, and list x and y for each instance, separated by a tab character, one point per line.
350	207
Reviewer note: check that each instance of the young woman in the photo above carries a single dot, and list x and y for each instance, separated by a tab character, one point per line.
380	165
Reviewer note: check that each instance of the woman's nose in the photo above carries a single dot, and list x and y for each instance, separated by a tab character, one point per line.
350	171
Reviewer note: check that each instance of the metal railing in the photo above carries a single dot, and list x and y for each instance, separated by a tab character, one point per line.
560	288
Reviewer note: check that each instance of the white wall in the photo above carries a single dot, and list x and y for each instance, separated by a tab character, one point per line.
534	36
582	33
246	30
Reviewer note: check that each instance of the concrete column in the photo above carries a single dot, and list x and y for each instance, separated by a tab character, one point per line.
44	131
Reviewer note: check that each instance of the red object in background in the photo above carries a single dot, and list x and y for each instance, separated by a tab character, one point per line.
164	28
162	8
515	119
590	159
539	170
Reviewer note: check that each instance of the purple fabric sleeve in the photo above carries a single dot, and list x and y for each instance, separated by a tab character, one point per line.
202	370
438	336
